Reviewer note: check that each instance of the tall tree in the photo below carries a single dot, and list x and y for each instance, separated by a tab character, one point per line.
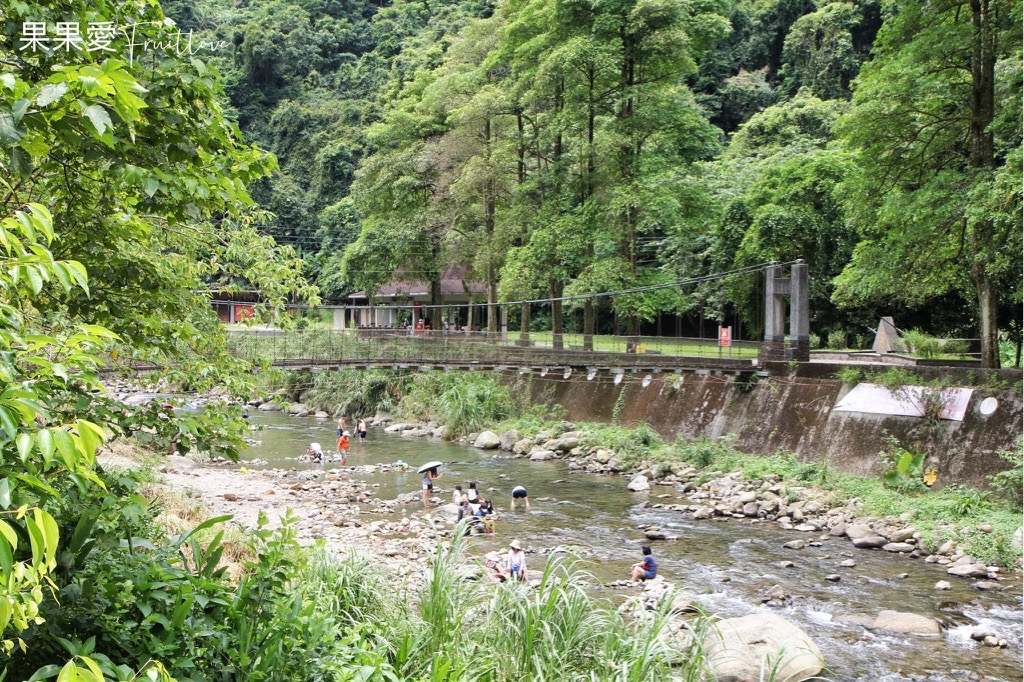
937	198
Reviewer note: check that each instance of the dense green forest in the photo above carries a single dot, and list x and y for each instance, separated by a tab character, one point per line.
563	148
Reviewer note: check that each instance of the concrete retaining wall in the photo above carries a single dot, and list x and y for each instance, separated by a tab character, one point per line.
793	411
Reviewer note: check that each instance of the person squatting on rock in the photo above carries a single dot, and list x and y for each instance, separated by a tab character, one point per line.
315	453
646	569
519	493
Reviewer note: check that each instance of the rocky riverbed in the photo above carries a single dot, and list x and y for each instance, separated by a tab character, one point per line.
350	510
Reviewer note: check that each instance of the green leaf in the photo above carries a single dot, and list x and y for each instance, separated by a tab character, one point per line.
99	117
24	442
50	93
9	423
91	437
44	439
51	536
5	493
8	532
69	673
177	542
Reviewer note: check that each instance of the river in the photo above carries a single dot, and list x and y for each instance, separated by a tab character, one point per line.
727	564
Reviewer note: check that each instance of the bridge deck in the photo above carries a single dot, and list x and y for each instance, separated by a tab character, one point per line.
397	349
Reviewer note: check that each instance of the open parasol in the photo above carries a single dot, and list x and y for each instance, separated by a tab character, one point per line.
428	466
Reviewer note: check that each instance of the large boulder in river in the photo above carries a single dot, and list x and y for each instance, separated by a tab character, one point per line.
901	623
869	542
859	530
509	439
270	407
751	648
968	567
639	484
488	440
449	512
523	446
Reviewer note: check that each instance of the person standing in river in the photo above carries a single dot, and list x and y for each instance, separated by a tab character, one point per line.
429	476
361	430
343	445
341	426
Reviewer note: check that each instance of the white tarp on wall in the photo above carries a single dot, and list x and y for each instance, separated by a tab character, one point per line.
908	401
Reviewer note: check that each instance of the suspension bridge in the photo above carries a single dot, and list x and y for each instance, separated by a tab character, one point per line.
414	346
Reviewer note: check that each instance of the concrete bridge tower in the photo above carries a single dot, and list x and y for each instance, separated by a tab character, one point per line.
776	289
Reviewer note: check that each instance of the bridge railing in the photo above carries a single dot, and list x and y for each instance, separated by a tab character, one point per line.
385	346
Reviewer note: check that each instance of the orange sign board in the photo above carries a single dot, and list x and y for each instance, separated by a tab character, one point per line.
725	336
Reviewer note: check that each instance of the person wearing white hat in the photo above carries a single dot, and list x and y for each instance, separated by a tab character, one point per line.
515	561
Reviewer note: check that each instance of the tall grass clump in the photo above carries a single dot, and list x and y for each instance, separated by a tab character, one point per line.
469	631
358	392
631	443
537	632
464	402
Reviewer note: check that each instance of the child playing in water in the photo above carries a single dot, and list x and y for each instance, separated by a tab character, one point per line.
343	445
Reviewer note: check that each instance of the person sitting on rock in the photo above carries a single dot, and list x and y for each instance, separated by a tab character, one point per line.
473	495
648	568
519	493
485	514
315	453
494	569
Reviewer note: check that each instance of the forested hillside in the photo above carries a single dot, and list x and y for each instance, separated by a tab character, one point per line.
557	148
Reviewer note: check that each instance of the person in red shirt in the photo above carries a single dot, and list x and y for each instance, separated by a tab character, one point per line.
343	444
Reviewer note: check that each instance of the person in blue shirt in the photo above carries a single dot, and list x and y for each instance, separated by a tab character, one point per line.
648	568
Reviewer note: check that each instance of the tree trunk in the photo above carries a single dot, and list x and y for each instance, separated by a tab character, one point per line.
492	299
982	155
435	299
987	306
588	324
524	324
554	292
489	211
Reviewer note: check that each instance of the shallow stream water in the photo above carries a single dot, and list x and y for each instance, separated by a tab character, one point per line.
727	564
